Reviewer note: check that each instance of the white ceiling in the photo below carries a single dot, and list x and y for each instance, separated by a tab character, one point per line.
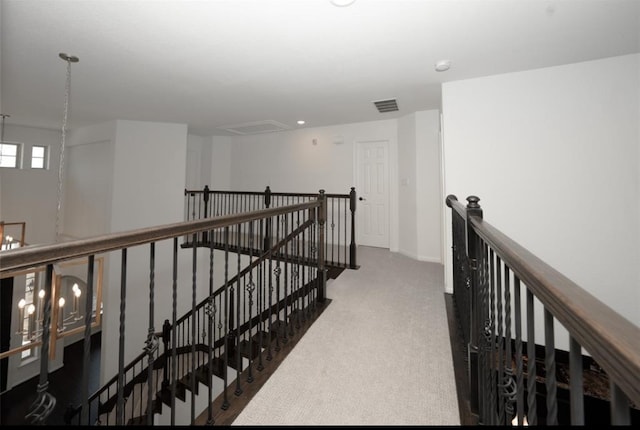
212	63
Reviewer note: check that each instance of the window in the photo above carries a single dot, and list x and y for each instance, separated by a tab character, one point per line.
10	155
38	157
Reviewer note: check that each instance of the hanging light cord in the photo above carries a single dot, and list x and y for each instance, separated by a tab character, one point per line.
67	92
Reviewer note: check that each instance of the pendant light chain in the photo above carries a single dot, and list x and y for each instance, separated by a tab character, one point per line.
67	94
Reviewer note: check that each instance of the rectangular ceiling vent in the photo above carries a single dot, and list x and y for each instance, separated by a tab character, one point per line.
386	105
256	127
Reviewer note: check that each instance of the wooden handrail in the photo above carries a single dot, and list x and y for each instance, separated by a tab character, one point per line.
38	255
612	340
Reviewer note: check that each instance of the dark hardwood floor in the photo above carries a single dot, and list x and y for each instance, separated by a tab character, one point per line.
64	385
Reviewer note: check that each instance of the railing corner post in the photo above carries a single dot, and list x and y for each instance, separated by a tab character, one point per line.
166	338
267	235
322	271
352	247
267	197
474	255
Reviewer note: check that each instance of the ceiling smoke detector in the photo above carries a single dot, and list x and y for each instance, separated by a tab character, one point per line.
383	106
443	65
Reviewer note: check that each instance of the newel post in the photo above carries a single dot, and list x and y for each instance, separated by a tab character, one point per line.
322	272
474	255
352	247
166	338
205	197
267	235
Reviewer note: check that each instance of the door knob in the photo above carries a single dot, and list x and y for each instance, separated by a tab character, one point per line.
362	198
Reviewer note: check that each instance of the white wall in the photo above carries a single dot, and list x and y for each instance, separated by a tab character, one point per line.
429	199
553	155
419	193
220	178
88	189
407	180
289	161
148	189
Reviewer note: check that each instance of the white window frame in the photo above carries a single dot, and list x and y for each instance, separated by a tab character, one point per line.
44	158
18	156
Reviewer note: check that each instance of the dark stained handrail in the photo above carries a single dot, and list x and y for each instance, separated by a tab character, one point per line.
28	257
612	340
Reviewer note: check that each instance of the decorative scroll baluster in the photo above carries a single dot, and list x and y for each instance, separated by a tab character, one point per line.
225	401
490	338
194	338
531	362
152	340
550	369
250	287
498	342
269	272
509	385
519	368
44	403
211	316
483	349
238	390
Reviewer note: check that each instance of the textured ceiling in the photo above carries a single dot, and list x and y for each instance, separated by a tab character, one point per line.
212	64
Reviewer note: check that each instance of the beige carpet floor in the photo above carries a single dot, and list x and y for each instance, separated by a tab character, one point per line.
380	354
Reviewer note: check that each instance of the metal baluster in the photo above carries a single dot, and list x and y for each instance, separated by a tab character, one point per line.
250	287
519	369
44	403
531	362
238	390
211	316
88	306
491	343
285	232
576	390
550	366
269	274
260	308
620	414
174	334
499	342
277	271
194	259
508	386
123	296
152	339
225	401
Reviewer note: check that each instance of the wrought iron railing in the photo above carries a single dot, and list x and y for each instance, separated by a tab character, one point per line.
494	279
231	328
340	245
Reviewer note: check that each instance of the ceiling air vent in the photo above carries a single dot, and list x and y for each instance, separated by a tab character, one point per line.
386	105
256	127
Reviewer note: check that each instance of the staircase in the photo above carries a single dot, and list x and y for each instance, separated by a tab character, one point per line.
255	357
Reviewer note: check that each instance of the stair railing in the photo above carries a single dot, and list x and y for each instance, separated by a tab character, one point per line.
340	245
265	297
491	273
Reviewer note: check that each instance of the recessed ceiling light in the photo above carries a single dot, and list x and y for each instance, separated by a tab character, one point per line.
300	122
443	65
342	3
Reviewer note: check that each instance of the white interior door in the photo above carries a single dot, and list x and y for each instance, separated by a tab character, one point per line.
372	188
